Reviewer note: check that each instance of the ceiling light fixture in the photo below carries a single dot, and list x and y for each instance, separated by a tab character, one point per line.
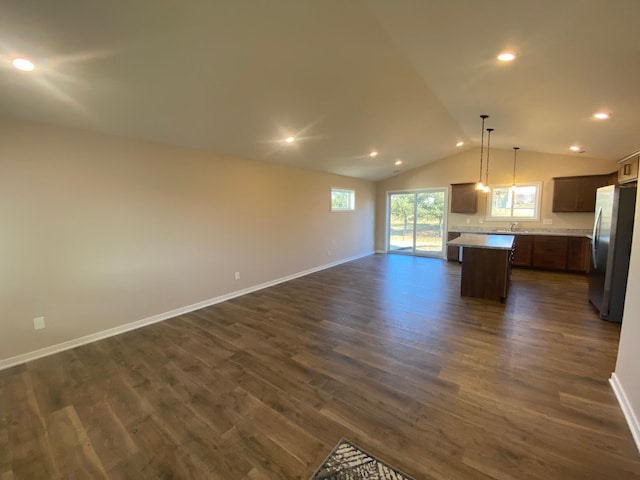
398	162
485	189
373	154
459	144
575	148
23	64
515	159
290	139
602	115
506	56
479	185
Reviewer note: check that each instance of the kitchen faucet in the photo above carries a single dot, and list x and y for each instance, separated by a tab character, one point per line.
513	226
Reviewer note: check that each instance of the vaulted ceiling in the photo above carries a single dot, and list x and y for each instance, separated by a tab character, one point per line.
406	78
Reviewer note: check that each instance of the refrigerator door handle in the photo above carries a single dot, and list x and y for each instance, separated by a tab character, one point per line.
596	233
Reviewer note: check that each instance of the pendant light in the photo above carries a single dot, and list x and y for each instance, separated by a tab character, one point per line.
479	185
485	189
515	159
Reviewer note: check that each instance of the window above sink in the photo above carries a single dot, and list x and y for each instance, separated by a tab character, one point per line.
520	203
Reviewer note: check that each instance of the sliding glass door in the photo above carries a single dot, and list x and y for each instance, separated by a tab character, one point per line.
416	222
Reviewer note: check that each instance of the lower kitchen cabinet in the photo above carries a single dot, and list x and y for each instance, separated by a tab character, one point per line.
546	252
522	251
550	252
579	254
453	253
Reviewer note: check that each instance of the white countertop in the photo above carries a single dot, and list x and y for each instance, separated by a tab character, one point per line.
500	242
560	232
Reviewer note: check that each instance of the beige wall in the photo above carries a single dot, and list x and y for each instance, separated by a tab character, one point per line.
464	167
628	364
99	231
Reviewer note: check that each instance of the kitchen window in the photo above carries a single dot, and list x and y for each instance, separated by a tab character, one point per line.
342	200
521	202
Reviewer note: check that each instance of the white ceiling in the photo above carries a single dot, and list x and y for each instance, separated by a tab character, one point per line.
408	78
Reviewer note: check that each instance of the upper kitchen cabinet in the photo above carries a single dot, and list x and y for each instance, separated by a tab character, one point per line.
464	198
577	194
628	169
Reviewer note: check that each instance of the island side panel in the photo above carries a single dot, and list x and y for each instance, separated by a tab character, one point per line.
485	273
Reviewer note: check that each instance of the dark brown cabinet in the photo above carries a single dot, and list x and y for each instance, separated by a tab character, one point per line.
453	253
522	251
485	273
550	252
547	252
464	198
579	254
577	194
628	169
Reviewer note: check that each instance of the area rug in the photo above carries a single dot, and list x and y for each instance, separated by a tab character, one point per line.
348	462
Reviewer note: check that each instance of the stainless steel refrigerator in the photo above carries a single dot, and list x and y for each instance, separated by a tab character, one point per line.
611	249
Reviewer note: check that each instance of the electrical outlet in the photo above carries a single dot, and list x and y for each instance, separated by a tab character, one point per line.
468	220
328	253
547	221
237	276
480	220
38	323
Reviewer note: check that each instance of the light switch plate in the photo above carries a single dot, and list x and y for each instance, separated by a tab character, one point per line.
547	221
38	323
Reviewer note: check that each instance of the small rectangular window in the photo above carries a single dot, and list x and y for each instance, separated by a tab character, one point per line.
342	200
519	203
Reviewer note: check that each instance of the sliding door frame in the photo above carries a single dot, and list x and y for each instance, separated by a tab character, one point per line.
387	233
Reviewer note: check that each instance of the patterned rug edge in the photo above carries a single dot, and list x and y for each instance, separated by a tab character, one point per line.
400	474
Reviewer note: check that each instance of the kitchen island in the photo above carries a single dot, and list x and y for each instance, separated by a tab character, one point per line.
564	250
486	265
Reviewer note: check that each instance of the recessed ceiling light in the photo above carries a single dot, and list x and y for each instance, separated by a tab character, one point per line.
459	144
23	64
575	148
290	139
373	154
506	56
398	162
601	115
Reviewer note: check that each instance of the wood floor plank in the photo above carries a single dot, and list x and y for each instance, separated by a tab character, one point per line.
74	453
109	437
382	351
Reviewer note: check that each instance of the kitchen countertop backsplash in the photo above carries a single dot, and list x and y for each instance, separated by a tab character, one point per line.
563	232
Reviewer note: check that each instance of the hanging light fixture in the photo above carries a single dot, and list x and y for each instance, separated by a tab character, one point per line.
479	185
515	159
485	189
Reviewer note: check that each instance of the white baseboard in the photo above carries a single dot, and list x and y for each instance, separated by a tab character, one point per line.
380	251
77	342
629	414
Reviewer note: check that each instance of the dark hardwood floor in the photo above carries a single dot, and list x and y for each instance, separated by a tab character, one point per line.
382	351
